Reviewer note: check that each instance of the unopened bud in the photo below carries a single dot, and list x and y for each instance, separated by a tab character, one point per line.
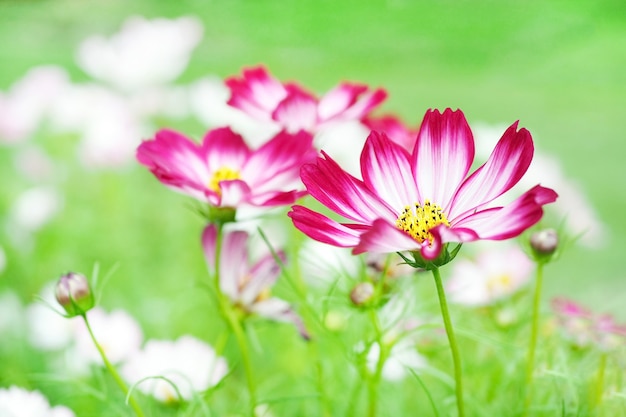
544	242
362	293
74	295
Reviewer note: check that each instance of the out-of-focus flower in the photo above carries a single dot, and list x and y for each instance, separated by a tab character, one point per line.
34	164
11	314
248	286
496	273
47	328
26	105
35	207
18	402
74	294
421	201
584	328
578	212
394	129
224	171
544	243
188	363
403	356
117	333
293	108
143	53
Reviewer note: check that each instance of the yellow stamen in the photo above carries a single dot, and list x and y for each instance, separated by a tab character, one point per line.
222	174
419	220
500	283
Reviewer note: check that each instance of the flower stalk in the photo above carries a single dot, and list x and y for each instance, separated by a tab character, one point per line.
454	348
116	376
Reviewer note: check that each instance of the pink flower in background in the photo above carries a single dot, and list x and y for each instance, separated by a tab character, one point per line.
495	274
420	201
585	328
224	171
291	107
248	286
18	402
189	363
394	129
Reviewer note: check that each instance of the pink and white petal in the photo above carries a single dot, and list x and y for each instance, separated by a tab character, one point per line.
277	163
280	310
443	155
386	168
337	100
234	193
233	263
363	106
209	241
174	159
509	221
275	198
505	167
256	93
343	193
224	148
297	111
394	129
321	228
262	275
383	237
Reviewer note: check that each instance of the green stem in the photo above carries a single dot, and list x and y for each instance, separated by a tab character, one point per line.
456	357
530	364
599	385
374	380
113	371
234	323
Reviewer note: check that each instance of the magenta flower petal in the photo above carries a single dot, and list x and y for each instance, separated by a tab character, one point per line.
339	99
298	111
511	220
443	155
323	229
507	164
386	169
234	193
257	93
224	148
383	237
343	193
262	275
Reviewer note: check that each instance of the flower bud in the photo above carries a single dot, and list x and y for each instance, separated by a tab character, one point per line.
74	295
544	242
362	293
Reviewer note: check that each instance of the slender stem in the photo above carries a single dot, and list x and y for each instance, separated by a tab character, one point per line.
374	380
456	357
530	364
599	385
234	323
120	382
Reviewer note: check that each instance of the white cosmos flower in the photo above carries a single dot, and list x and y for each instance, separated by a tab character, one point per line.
144	53
190	364
18	402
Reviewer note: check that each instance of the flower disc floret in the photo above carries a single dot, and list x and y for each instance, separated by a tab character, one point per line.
452	206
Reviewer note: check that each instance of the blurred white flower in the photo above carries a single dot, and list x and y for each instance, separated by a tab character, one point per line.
11	314
34	208
403	356
24	107
18	402
343	141
572	204
189	363
48	329
322	264
497	272
117	333
34	164
144	53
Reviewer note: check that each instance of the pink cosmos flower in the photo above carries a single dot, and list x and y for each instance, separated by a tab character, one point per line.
224	171
422	200
290	106
394	129
248	286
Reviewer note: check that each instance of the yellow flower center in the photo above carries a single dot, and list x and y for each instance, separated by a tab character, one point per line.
418	220
222	174
499	283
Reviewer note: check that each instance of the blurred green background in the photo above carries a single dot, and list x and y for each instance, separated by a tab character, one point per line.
557	66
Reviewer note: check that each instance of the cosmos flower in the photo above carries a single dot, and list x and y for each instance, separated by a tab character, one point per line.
584	328
190	364
420	201
18	402
394	129
248	286
224	171
293	108
494	274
